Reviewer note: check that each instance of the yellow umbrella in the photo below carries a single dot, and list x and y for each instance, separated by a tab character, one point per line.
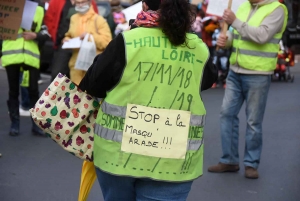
88	177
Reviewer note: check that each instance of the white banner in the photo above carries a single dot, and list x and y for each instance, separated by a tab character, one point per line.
132	11
217	7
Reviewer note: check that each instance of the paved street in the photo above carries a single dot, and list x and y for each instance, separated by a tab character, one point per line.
36	169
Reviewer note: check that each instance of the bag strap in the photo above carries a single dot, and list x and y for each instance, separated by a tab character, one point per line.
96	24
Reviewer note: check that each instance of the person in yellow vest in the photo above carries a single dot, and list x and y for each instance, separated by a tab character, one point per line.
23	53
86	20
148	141
258	27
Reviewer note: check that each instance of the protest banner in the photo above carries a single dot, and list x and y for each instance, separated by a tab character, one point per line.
132	11
11	12
217	7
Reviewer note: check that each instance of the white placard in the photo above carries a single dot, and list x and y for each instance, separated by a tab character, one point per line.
28	14
156	132
132	11
217	7
73	43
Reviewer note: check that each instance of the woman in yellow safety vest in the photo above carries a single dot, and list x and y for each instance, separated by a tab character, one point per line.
148	142
23	53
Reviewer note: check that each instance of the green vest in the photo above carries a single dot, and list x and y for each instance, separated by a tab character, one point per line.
251	55
157	75
20	51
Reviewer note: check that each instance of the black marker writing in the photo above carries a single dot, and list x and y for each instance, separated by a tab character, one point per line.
179	123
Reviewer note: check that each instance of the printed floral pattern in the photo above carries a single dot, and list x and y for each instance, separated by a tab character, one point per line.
67	115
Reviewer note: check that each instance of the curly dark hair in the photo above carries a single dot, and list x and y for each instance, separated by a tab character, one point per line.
175	20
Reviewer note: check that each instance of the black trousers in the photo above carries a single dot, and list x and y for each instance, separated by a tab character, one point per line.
60	63
13	74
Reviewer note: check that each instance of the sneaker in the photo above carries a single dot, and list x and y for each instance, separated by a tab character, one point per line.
224	86
251	173
214	86
221	167
24	113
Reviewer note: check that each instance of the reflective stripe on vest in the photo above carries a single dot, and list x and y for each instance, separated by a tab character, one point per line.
119	111
9	52
116	136
273	40
256	53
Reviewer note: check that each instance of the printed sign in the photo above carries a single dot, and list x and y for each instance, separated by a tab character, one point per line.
10	18
156	132
217	7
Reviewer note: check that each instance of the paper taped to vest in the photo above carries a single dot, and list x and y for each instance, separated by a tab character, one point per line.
217	7
156	132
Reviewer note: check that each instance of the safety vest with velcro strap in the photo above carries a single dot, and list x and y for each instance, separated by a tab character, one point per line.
251	55
20	51
157	75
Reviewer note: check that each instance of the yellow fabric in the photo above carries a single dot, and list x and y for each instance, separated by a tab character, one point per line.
20	51
257	62
95	25
88	177
25	79
84	19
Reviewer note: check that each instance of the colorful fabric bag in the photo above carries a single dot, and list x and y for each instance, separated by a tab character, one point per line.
67	115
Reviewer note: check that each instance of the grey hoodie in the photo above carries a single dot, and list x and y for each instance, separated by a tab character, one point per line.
270	26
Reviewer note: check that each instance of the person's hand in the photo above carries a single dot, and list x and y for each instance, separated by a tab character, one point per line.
128	29
229	16
214	18
222	39
65	40
82	35
29	35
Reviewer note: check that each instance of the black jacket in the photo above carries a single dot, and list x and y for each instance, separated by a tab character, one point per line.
107	69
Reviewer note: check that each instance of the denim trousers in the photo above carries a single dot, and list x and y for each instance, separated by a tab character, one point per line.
253	89
117	188
25	101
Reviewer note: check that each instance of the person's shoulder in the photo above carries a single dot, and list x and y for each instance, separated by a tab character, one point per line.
39	9
75	17
279	9
99	18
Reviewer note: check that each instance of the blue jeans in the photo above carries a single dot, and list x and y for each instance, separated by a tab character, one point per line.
253	89
25	100
116	188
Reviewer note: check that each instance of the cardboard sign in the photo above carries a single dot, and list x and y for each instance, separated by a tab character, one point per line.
10	18
155	132
217	7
